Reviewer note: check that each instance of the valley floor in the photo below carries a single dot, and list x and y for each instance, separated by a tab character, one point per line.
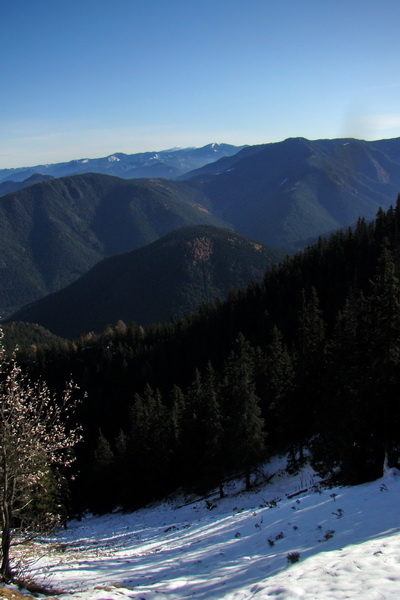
347	540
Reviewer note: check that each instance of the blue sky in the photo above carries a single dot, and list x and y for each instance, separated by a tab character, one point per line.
86	78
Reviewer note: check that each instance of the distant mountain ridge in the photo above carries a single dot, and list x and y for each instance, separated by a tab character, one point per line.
170	277
7	187
298	189
165	163
53	232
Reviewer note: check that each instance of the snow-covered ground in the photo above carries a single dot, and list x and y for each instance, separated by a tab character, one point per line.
348	540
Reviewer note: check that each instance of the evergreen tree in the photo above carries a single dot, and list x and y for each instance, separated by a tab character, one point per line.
360	424
149	447
244	429
310	349
191	438
277	386
344	423
211	424
100	477
384	350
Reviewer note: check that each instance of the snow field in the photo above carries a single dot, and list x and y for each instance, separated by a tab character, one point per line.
348	542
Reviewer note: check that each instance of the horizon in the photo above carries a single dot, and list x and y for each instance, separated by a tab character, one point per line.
85	78
177	148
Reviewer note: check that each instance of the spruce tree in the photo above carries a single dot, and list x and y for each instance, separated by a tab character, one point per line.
244	429
277	386
211	423
101	482
310	350
384	349
344	419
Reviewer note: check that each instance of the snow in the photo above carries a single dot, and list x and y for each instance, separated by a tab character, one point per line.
348	540
113	159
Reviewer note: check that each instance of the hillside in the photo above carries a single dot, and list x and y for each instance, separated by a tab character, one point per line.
279	366
54	231
304	365
298	189
169	277
346	539
165	163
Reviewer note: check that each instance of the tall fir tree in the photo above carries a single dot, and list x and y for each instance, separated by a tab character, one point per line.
276	391
309	364
384	350
244	429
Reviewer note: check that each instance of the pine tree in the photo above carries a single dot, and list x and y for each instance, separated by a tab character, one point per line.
101	482
191	438
361	420
310	351
384	348
211	424
344	419
148	449
277	390
244	429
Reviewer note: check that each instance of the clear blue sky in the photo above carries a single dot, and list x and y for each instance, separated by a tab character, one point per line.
91	77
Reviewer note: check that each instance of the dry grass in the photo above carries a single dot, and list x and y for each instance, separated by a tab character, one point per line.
7	593
13	594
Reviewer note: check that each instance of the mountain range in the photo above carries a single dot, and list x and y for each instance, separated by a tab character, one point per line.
54	231
282	195
168	278
166	163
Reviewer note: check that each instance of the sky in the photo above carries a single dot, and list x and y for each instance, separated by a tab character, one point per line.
87	78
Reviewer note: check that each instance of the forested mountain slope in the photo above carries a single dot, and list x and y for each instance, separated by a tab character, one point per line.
53	232
165	279
306	360
279	194
290	191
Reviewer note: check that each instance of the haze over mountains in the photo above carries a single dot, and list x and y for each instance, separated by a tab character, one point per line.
166	163
281	195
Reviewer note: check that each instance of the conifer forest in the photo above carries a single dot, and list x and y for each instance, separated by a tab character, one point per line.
304	363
